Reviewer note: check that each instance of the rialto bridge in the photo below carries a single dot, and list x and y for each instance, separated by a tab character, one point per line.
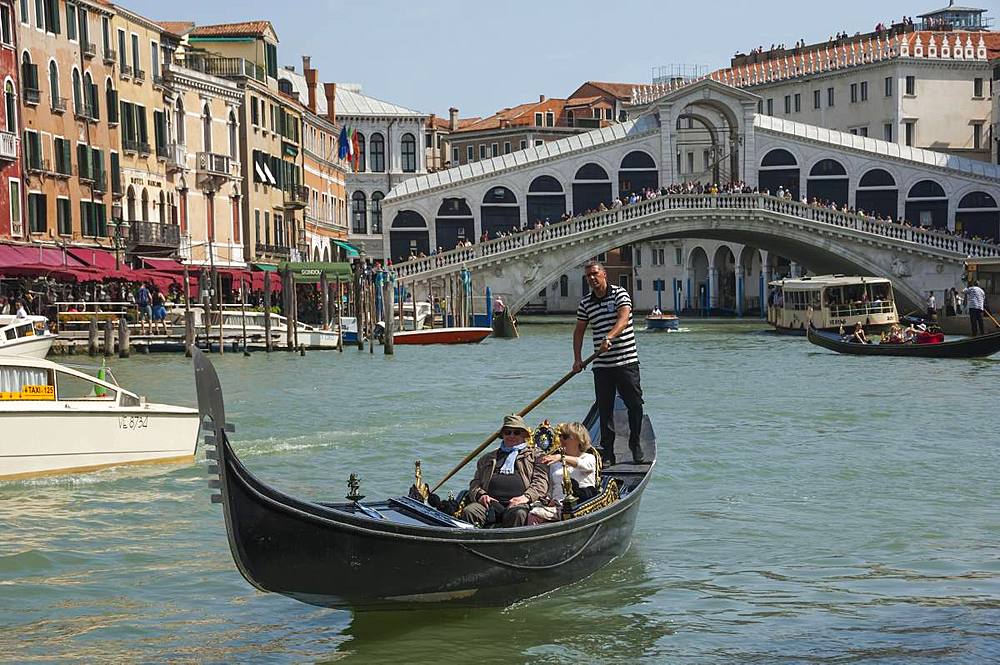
936	193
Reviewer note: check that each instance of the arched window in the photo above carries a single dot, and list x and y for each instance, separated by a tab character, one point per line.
378	153
359	213
163	208
377	211
130	201
77	93
564	286
877	178
926	189
233	140
361	152
111	100
638	159
28	73
408	151
89	96
779	157
145	205
206	128
591	172
545	183
977	200
10	107
285	86
54	83
179	121
828	167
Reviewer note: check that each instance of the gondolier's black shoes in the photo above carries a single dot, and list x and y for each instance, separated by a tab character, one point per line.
607	460
637	456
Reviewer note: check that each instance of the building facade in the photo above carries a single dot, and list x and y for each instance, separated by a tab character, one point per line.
11	181
324	172
390	140
269	132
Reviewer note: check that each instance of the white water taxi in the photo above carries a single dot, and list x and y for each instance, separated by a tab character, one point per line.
233	319
59	420
829	302
28	337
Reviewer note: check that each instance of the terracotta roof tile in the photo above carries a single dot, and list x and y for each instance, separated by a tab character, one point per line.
244	29
520	115
582	101
178	28
619	90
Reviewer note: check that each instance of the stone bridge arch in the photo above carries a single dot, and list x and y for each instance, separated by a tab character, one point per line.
519	279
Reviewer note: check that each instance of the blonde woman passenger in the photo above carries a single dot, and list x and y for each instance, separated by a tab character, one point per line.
581	458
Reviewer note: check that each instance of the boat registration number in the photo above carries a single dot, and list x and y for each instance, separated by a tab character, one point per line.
133	422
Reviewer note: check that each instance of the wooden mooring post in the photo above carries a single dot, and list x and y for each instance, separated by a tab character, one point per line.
109	338
387	307
124	343
188	333
92	347
267	312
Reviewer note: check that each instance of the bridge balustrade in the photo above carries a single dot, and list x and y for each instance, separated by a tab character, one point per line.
600	220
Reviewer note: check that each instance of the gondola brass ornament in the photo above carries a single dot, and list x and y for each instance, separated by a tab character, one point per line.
354	487
569	500
418	482
544	438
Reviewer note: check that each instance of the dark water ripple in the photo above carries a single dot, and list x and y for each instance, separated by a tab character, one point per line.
808	508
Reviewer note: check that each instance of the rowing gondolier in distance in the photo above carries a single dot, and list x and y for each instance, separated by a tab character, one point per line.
607	309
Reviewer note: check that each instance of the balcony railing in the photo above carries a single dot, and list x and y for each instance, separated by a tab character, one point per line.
296	197
89	49
59	105
110	56
157	80
224	67
32	95
140	75
176	156
212	163
162	152
8	145
125	71
154	234
85	175
143	149
84	112
272	250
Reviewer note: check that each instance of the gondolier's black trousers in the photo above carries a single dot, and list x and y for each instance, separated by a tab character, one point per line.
623	380
976	320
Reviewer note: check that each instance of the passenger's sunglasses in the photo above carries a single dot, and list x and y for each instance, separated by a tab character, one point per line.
507	431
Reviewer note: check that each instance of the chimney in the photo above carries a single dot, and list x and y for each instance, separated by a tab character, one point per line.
310	75
330	90
432	121
541	98
452	119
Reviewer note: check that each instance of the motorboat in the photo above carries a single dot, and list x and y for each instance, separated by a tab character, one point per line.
662	322
234	318
457	335
57	419
26	337
402	552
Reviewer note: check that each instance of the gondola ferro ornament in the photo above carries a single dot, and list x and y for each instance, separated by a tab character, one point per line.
354	488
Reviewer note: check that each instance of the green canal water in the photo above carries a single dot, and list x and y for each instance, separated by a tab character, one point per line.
807	507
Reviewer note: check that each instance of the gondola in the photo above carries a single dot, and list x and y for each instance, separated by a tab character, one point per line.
401	552
968	347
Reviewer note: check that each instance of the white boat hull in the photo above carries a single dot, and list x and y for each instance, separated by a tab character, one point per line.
28	347
66	438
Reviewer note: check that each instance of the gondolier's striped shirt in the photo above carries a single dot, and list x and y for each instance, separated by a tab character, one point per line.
602	314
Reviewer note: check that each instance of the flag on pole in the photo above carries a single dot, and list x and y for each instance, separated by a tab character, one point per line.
355	149
343	149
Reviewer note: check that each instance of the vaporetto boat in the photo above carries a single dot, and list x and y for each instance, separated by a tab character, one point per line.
830	301
27	337
60	420
233	319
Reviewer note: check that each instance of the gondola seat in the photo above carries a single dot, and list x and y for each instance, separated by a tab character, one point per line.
610	492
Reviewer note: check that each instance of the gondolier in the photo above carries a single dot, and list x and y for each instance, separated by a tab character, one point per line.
975	302
608	310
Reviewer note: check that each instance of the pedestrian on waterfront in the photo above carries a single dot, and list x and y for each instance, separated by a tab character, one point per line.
958	300
975	301
931	306
22	313
145	304
4	305
608	310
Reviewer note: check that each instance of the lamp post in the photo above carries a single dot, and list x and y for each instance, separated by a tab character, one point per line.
121	231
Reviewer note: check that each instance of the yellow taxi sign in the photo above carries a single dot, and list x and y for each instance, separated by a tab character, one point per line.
41	393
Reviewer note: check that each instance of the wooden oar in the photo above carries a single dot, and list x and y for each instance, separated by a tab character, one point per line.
992	319
523	412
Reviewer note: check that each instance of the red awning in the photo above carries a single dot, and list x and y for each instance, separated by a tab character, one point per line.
37	255
166	265
75	274
95	258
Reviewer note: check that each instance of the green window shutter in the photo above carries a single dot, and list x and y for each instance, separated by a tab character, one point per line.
143	134
84	219
159	129
116	174
102	222
70	21
53	10
95	105
83	160
97	165
67	156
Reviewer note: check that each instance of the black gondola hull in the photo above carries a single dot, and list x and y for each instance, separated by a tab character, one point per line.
342	560
397	554
969	347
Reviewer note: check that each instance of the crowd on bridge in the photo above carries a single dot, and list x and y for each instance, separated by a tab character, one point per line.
700	188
